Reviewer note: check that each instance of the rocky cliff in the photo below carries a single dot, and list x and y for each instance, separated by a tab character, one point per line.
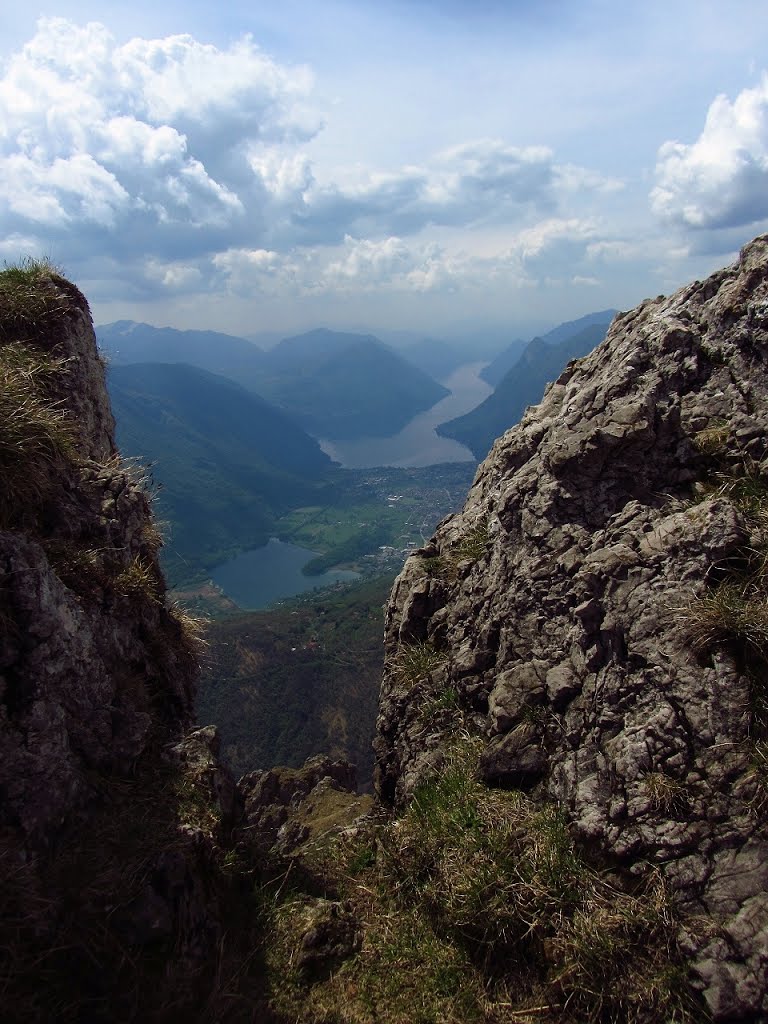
572	752
598	615
131	865
103	854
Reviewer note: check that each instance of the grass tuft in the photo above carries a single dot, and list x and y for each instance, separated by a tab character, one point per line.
713	440
31	299
414	662
35	431
665	793
192	629
733	614
471	547
140	580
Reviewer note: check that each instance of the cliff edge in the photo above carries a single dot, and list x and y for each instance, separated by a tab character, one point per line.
133	869
598	615
109	816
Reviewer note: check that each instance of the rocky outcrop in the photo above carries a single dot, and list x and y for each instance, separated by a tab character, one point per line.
94	666
129	858
111	823
570	614
288	807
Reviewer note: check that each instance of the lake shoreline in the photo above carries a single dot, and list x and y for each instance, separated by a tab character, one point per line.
258	578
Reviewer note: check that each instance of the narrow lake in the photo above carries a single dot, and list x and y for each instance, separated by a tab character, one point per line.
257	578
417	444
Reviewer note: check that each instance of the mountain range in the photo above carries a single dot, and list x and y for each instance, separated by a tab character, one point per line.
330	382
509	357
227	462
523	385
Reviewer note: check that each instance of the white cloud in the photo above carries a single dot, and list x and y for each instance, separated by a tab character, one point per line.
540	239
720	180
395	265
368	263
66	191
175	277
474	183
169	165
94	130
250	272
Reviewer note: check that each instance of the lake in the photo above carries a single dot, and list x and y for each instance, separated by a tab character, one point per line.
417	444
257	578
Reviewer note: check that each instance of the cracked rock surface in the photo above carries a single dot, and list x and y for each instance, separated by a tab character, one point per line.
566	638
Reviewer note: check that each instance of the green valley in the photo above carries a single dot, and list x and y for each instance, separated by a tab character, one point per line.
376	515
365	519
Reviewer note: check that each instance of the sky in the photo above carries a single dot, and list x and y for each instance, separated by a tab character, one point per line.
443	167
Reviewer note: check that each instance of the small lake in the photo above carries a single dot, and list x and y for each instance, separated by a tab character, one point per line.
417	444
257	578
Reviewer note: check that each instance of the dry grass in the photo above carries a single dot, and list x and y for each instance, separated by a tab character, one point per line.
192	628
403	974
733	613
32	300
140	580
713	440
665	793
36	435
759	773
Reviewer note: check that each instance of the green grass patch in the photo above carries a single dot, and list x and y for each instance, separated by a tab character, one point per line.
416	661
435	707
471	547
476	905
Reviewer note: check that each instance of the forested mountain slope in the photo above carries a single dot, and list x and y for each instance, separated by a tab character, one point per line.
523	385
227	463
335	385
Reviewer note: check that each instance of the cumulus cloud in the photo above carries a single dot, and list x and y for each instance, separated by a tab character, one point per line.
721	179
539	240
361	266
174	277
149	132
173	166
465	185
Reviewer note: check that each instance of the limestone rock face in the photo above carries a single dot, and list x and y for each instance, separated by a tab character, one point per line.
93	666
556	613
97	680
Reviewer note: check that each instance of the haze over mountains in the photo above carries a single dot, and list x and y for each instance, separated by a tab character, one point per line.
523	383
502	363
429	354
330	382
230	431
